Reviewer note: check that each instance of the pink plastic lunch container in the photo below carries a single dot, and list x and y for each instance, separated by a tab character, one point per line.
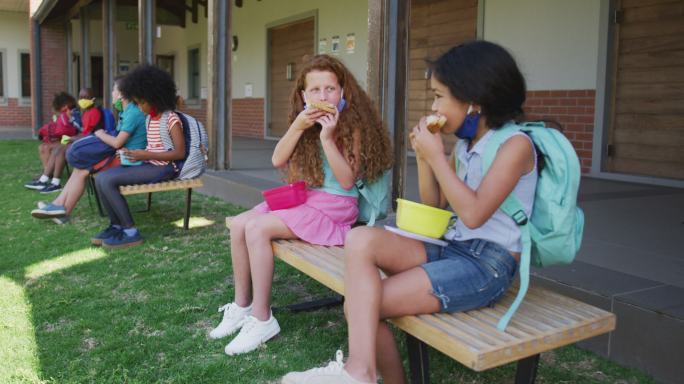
287	196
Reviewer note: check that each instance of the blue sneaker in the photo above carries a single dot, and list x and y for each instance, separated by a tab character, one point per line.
122	240
106	234
50	188
49	211
36	185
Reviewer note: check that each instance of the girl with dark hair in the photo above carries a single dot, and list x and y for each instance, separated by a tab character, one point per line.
131	134
154	92
478	88
328	149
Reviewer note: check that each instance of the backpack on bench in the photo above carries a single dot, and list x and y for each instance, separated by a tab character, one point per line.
194	162
553	233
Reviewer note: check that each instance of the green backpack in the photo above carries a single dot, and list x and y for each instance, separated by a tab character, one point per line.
373	199
553	235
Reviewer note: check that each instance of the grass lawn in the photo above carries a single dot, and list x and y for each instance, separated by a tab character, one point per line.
72	313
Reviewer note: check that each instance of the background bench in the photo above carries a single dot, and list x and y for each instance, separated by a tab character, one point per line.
171	185
545	320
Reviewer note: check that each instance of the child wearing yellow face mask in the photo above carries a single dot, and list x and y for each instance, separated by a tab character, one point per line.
91	116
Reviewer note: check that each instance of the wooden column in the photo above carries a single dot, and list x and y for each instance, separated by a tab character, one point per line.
85	48
388	76
146	26
108	50
69	59
219	98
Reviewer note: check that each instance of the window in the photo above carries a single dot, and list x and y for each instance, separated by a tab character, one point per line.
25	65
194	74
2	75
165	62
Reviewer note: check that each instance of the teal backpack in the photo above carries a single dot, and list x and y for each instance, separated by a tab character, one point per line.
553	235
373	199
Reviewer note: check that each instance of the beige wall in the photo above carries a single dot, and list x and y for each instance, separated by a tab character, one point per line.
334	18
14	38
554	41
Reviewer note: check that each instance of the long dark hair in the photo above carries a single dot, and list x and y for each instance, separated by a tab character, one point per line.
486	74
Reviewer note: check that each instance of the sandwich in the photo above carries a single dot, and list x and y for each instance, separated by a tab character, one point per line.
435	123
323	106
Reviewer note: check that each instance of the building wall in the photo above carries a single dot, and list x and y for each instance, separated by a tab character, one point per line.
52	65
556	45
14	39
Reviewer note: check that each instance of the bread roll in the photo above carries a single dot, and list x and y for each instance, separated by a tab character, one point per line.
323	106
435	123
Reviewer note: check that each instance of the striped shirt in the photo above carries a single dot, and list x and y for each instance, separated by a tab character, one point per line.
154	142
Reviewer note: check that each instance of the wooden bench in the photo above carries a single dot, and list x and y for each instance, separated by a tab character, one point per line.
188	185
545	320
171	185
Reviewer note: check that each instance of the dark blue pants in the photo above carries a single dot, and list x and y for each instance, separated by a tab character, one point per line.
109	181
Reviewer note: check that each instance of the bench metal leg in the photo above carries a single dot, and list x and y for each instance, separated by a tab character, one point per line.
149	201
418	360
527	370
91	183
313	305
188	201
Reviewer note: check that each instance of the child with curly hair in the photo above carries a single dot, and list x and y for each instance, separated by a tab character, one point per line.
329	150
478	88
154	92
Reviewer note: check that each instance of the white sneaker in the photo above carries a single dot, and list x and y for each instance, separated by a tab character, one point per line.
253	333
234	317
333	373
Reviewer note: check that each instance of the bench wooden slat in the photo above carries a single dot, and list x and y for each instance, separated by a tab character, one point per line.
545	320
162	186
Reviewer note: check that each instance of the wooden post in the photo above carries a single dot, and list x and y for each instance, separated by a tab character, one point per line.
146	27
85	47
219	98
69	59
388	76
108	50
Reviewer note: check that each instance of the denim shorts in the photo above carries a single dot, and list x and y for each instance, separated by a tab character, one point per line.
469	274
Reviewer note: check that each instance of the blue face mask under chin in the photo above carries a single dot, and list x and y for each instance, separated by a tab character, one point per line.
468	129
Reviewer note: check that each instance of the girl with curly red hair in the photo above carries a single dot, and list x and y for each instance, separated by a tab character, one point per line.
327	150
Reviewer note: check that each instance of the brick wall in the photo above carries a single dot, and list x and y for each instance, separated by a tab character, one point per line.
198	111
574	110
248	117
14	115
52	66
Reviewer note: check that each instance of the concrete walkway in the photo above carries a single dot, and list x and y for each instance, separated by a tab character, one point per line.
631	261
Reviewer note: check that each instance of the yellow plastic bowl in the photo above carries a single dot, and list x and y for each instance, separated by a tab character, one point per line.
422	219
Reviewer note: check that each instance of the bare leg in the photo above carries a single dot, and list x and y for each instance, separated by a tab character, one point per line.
388	357
44	153
49	166
258	233
242	278
60	160
73	190
368	299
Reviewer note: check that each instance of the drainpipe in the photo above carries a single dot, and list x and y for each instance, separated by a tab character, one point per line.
37	89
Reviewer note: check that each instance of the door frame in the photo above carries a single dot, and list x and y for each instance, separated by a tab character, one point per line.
603	105
280	22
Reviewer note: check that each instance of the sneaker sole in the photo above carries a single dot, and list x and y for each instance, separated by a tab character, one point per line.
57	221
118	246
268	337
33	187
48	215
53	191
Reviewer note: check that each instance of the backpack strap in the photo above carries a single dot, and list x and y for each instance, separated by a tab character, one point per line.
512	207
365	192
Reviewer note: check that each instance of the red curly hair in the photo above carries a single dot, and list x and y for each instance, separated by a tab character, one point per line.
359	115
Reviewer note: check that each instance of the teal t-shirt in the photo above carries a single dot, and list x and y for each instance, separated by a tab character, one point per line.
132	121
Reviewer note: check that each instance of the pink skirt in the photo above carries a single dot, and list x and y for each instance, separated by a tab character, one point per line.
324	219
